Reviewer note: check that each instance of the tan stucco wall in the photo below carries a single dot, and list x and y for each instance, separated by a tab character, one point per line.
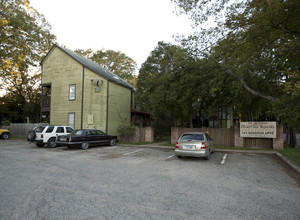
94	102
61	71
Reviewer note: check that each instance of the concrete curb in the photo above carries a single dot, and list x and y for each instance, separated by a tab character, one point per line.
283	158
146	146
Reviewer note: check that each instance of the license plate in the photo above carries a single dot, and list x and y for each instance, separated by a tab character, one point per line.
189	147
63	139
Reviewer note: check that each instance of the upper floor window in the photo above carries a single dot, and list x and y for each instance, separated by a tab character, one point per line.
72	92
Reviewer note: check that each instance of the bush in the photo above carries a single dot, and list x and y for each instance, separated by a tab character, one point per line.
126	130
6	123
161	129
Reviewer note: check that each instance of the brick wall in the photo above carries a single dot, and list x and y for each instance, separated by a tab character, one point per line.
142	134
238	140
278	142
149	134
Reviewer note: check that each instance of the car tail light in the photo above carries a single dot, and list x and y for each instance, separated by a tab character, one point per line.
42	136
176	146
203	146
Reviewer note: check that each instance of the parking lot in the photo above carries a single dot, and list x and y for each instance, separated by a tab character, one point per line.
141	183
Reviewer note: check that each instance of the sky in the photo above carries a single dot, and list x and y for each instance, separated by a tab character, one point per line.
133	27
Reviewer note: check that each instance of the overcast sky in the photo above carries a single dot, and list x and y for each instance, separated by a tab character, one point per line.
133	27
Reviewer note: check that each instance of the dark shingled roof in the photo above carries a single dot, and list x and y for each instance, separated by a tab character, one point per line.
96	68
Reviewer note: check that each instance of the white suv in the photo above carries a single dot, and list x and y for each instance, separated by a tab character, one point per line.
42	135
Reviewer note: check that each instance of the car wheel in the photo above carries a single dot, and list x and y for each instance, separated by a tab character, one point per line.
112	142
179	157
31	135
51	143
39	145
5	136
84	145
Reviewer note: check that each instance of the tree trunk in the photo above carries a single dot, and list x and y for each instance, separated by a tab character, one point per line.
191	123
291	137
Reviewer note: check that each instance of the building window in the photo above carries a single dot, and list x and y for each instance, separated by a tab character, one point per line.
71	120
72	92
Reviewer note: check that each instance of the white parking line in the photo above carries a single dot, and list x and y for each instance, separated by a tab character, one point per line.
224	158
171	156
132	152
110	147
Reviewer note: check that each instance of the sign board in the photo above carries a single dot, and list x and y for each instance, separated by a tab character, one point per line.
263	129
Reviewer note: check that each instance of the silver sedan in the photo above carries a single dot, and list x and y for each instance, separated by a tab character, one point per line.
194	144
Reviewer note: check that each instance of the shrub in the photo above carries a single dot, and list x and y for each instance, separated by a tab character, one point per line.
126	130
6	123
161	129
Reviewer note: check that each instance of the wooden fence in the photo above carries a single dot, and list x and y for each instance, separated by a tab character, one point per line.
22	129
222	136
231	137
258	143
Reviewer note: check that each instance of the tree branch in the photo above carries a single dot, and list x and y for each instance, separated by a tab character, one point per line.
244	84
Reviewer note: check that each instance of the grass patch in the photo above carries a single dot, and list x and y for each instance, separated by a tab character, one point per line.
168	145
17	138
292	154
145	143
135	143
243	148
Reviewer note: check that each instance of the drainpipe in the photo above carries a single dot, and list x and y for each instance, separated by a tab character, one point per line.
107	100
41	90
82	96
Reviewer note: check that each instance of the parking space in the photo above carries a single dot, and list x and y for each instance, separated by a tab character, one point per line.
141	183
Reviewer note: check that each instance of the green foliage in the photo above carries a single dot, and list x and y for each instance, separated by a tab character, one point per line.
161	128
256	45
6	123
114	61
159	86
25	38
291	153
173	82
126	130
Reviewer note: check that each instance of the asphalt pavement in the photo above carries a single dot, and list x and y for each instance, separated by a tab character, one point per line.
141	183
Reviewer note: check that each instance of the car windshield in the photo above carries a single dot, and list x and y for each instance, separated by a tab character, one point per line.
198	137
39	129
77	132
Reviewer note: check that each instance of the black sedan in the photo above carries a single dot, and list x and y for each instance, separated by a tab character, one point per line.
85	138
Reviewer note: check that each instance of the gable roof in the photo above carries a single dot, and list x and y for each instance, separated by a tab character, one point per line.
91	65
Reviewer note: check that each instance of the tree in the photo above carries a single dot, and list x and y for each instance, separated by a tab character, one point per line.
22	101
25	38
258	46
114	61
169	83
